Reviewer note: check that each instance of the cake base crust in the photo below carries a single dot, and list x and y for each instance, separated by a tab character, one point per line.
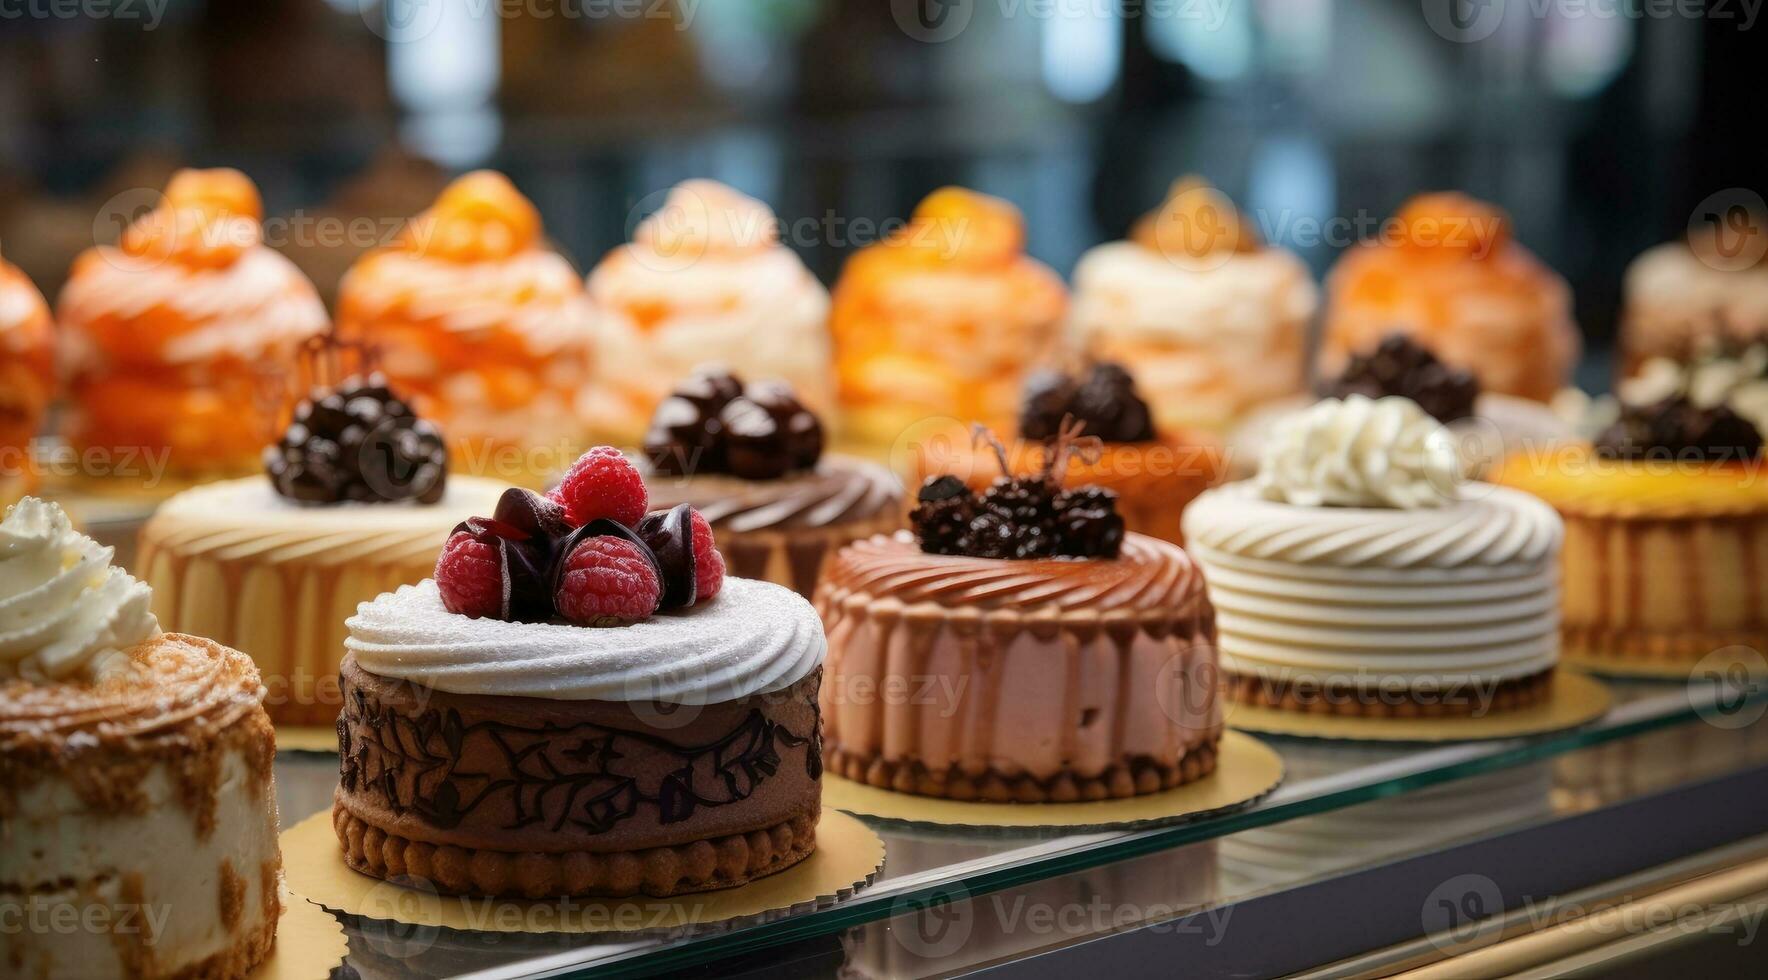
659	872
911	776
1347	700
1620	646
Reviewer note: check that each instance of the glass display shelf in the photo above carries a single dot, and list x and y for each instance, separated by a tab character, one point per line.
928	868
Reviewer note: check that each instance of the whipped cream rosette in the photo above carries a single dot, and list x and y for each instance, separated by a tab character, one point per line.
27	377
172	337
1360	573
135	774
1213	321
704	279
487	328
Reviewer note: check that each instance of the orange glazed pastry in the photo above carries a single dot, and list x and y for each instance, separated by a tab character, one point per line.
174	336
1153	473
1051	657
705	279
27	378
1451	275
1214	321
942	319
1666	535
485	328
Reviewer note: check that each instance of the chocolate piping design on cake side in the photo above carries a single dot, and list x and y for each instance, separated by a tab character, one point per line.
399	761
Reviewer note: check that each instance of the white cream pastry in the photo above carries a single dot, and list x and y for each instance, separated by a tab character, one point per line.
237	562
1360	568
1675	300
752	638
705	279
1211	336
135	776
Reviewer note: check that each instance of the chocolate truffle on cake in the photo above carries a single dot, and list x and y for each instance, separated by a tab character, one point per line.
581	703
750	458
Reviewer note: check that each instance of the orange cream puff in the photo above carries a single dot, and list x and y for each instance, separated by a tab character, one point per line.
27	378
1214	322
942	318
180	340
1450	274
486	329
705	279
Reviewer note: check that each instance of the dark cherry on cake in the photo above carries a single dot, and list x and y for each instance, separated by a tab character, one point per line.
1677	429
586	553
714	423
1400	366
1152	474
358	442
1022	517
749	457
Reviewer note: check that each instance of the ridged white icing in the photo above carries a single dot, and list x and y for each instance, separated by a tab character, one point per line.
752	638
63	609
1469	591
1361	452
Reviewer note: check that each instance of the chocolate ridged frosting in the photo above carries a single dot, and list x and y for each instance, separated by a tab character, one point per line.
1148	575
840	490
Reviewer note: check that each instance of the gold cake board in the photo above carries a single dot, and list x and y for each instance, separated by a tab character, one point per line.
1710	668
847	857
309	943
1246	769
306	738
1577	699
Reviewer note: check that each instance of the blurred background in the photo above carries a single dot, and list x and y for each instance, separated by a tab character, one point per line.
1600	125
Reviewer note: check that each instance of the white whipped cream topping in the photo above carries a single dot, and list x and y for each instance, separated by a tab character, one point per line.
1362	452
752	638
63	609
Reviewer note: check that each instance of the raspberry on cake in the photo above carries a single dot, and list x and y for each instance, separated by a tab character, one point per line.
355	500
597	710
749	459
135	775
1079	659
1361	573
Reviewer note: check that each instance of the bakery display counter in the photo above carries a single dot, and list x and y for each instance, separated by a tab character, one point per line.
1365	859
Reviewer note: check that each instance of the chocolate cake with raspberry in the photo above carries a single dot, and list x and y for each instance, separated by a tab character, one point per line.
750	458
581	702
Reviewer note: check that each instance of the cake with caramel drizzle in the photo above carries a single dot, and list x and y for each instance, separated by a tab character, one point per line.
750	457
1019	647
1666	541
135	775
355	500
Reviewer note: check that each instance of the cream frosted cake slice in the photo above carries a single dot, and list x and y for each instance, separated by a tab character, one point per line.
1359	573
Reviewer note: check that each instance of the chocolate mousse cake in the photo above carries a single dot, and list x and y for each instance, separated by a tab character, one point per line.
136	793
1361	573
1019	647
750	458
581	703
